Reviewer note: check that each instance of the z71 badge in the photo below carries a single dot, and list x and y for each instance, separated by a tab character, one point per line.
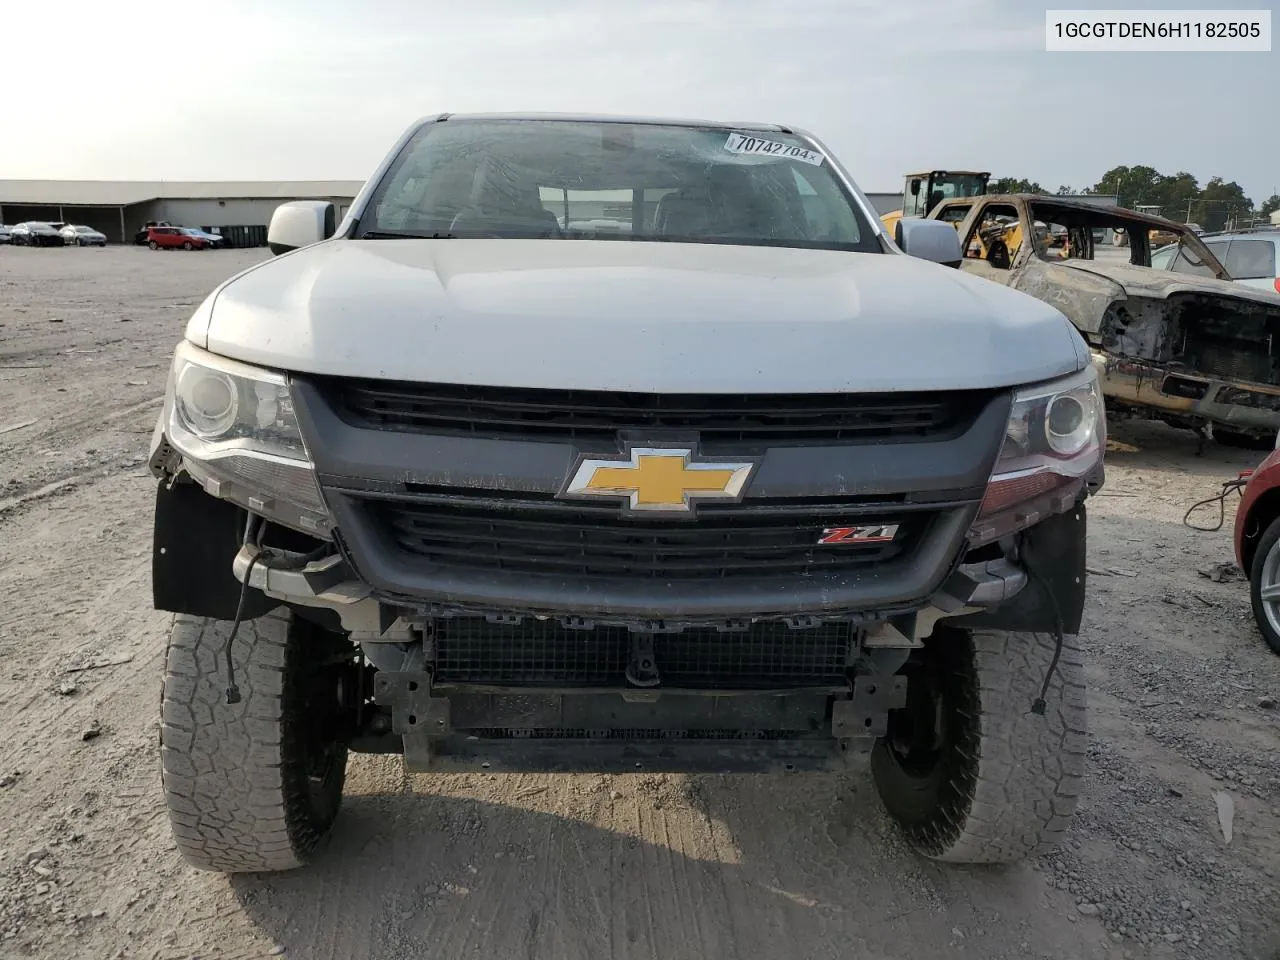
877	533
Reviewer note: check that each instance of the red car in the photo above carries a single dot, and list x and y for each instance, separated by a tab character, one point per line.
173	237
1257	537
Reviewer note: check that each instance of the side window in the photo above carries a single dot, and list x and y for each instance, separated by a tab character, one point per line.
1251	260
589	212
995	237
915	205
1057	241
1163	259
1188	262
955	213
1219	249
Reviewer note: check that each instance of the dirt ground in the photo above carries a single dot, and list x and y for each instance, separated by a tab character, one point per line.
589	866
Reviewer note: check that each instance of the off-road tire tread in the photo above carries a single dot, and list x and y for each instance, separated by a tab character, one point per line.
1019	774
232	774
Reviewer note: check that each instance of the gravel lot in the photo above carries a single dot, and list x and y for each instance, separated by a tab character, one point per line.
590	866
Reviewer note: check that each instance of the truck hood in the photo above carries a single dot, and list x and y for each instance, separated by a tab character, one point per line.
633	316
1135	281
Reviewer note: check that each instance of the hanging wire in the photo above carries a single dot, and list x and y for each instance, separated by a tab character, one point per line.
1228	487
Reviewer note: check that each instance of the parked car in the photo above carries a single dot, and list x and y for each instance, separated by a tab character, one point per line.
170	238
1257	543
5	236
77	235
1252	258
36	233
214	240
142	237
1191	350
758	490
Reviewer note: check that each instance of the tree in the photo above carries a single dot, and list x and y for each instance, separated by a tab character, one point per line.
1065	191
1134	185
1270	205
1179	196
1011	185
1176	195
1222	202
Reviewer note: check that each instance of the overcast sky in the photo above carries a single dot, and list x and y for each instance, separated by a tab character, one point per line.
318	89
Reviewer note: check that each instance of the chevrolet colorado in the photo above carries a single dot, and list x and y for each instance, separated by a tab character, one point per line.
600	444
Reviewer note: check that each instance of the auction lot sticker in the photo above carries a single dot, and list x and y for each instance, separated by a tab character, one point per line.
741	143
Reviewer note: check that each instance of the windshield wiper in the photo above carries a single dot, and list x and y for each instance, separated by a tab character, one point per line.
396	235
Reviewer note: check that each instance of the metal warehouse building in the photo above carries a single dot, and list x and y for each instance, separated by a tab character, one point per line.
119	208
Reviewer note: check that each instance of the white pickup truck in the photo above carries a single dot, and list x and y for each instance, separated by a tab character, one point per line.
744	485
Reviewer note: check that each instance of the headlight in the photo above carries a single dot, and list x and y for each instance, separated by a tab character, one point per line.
235	428
207	401
1053	444
1054	423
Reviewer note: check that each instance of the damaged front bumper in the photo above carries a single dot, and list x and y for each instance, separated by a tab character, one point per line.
1188	398
329	584
442	719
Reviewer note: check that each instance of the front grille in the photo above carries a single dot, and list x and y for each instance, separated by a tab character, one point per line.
544	652
551	537
578	415
1233	363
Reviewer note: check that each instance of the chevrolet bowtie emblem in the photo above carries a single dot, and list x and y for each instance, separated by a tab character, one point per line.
660	479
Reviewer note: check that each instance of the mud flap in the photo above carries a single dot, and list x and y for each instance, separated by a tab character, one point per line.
195	538
1053	554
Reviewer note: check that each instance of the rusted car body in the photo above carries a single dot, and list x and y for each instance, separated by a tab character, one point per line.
1184	345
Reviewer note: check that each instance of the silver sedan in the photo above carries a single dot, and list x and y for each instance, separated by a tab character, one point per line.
75	235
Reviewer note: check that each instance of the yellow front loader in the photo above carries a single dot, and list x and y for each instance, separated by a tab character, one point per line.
924	191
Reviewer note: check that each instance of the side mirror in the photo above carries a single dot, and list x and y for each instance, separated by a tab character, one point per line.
929	240
915	188
299	223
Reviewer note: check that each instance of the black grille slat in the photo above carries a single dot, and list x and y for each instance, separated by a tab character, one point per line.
707	567
721	565
577	542
534	652
517	529
575	415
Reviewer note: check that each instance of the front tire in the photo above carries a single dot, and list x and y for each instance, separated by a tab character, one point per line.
1264	585
187	245
967	770
252	786
153	245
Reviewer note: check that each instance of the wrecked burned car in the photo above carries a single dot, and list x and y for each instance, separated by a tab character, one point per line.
616	446
1184	344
